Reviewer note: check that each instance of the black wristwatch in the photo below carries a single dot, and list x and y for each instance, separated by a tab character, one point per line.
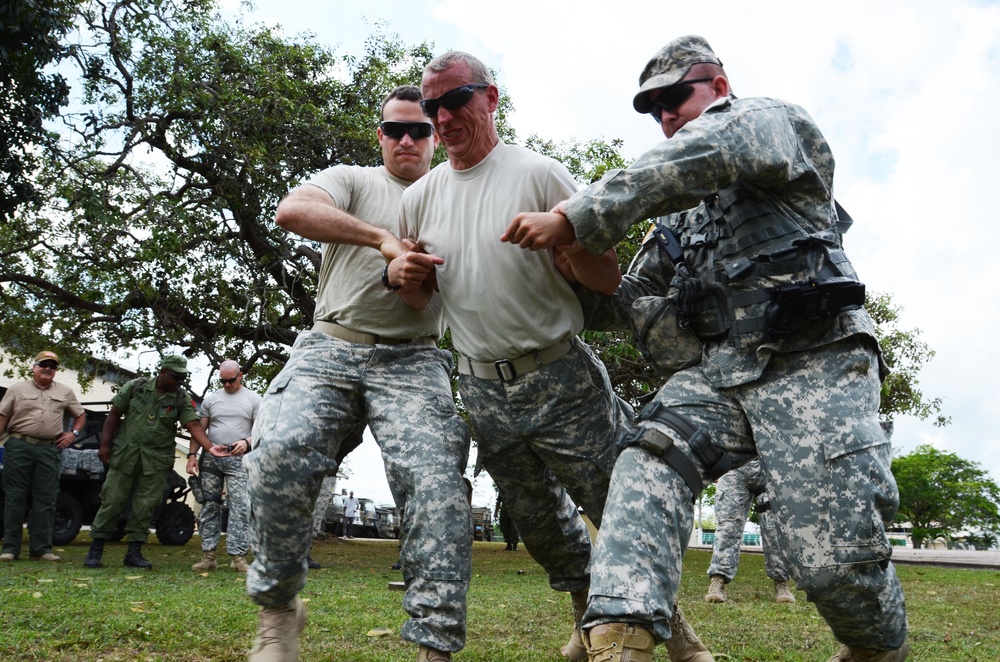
385	280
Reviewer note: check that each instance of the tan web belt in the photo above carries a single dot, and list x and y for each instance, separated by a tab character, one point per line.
509	369
343	333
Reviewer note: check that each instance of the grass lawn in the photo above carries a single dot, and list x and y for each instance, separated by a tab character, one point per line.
62	612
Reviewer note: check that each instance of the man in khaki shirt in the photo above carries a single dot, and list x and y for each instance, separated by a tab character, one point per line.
32	415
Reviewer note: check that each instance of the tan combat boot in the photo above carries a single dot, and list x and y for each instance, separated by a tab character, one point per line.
848	654
278	630
782	593
428	654
620	642
239	563
716	589
683	644
575	650
207	562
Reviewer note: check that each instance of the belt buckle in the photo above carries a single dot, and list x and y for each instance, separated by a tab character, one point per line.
505	370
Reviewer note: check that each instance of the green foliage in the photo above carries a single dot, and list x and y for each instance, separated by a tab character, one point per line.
941	494
31	42
905	353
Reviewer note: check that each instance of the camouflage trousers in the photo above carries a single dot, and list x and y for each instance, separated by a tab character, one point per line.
734	495
216	472
813	419
144	491
547	439
323	503
404	392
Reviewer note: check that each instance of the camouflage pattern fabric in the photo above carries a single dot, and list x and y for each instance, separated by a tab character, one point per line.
826	460
547	439
323	503
325	389
734	494
215	473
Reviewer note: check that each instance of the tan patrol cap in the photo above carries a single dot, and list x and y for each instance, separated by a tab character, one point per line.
46	356
669	66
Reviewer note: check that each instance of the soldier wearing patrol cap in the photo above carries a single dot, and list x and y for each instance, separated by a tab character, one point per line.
743	296
142	455
31	417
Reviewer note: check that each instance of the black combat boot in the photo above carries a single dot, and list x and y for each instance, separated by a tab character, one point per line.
93	559
134	559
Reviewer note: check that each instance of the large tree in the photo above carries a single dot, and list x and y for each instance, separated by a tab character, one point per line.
188	130
941	494
31	43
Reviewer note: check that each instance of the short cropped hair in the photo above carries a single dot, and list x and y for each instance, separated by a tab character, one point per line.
480	72
403	93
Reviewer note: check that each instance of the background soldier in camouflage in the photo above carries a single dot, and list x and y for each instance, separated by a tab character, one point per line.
369	357
541	403
798	385
143	455
31	423
227	416
734	494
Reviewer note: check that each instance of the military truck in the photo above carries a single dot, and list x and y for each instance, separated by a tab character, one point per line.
80	490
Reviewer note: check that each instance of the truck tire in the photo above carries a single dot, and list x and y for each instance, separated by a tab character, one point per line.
175	525
69	519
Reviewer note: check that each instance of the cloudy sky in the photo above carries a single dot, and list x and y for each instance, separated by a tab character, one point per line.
904	92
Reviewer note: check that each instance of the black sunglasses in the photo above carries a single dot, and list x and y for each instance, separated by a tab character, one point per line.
416	130
48	365
452	99
176	376
229	381
672	97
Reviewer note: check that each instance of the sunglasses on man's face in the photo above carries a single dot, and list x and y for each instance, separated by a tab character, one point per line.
452	99
48	366
176	376
416	130
229	381
671	98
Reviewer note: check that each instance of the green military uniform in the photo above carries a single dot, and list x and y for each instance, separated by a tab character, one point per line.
142	456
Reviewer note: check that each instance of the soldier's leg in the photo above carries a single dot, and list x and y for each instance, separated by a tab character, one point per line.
146	496
649	513
237	539
732	507
44	492
774	560
322	503
545	517
826	460
210	518
115	494
425	445
19	465
309	407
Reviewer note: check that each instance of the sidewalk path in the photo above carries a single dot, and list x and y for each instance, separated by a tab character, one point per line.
951	558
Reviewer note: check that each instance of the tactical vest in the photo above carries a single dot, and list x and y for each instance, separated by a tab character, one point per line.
754	273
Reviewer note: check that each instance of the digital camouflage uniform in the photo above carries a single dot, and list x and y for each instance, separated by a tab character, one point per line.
141	458
216	473
404	392
734	494
757	176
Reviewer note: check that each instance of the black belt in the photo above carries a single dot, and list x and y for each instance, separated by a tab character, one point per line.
343	333
34	441
508	369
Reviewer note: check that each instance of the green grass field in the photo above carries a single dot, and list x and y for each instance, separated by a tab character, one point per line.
62	612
